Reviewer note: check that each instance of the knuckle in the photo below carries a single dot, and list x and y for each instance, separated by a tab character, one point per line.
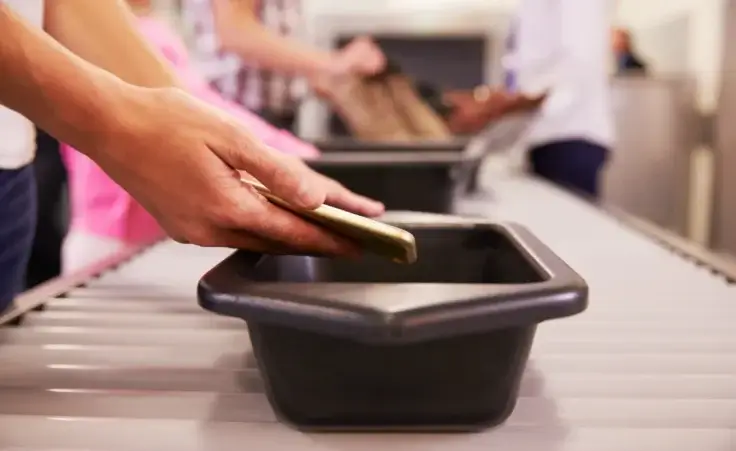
242	146
334	185
197	235
202	236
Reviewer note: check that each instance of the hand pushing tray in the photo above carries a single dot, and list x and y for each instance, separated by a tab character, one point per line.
372	345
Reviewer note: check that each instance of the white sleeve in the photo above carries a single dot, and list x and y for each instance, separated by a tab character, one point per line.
561	42
584	30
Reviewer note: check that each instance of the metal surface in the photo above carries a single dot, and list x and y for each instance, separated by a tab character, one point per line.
129	362
657	129
724	221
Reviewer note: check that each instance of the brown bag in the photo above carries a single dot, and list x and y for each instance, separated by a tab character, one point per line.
388	125
423	121
365	109
385	108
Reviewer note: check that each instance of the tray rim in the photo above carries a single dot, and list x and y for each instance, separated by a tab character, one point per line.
486	306
392	158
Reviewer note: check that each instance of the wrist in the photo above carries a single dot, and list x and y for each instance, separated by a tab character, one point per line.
112	111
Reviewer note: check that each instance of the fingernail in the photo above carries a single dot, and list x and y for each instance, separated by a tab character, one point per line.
378	208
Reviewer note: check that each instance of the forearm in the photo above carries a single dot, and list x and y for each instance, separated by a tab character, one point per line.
278	53
240	31
71	99
104	33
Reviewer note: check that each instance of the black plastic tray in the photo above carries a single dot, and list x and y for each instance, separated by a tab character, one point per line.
371	345
417	181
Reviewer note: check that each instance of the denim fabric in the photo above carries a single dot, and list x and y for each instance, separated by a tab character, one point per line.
17	229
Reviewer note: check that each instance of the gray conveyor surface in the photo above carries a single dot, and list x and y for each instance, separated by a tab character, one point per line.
130	362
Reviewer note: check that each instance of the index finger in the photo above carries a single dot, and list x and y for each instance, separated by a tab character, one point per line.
277	224
286	177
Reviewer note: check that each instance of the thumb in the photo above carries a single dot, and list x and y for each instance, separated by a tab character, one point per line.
286	177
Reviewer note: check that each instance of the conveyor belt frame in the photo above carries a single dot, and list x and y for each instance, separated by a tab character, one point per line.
701	256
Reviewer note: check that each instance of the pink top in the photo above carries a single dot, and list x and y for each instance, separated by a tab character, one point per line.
101	207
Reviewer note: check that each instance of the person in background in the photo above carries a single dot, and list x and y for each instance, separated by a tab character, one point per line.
557	65
179	157
259	41
628	61
106	219
559	50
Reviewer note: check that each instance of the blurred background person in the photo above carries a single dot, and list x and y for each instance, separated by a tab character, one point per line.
556	68
259	42
628	61
104	218
558	50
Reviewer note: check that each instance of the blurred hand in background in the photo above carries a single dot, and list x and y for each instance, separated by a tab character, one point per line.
362	56
474	110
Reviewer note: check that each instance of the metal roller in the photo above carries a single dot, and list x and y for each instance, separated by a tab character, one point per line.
126	360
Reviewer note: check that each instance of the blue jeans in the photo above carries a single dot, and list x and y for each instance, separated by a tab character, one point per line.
17	228
573	164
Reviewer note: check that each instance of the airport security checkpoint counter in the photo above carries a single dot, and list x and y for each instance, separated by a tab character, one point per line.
127	360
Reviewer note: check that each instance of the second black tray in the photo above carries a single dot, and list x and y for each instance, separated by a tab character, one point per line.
417	181
349	144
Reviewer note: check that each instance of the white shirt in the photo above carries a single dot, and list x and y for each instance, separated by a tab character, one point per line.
562	47
17	134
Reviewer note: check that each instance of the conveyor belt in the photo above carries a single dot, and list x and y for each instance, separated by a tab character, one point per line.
129	362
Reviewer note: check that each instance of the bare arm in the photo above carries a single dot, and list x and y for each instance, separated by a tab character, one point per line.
71	99
104	33
240	31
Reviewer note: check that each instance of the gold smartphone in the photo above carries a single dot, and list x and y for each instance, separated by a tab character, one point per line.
375	236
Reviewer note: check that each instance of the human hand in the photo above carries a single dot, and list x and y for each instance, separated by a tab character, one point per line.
457	97
339	196
182	160
473	110
361	56
523	102
467	117
336	194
